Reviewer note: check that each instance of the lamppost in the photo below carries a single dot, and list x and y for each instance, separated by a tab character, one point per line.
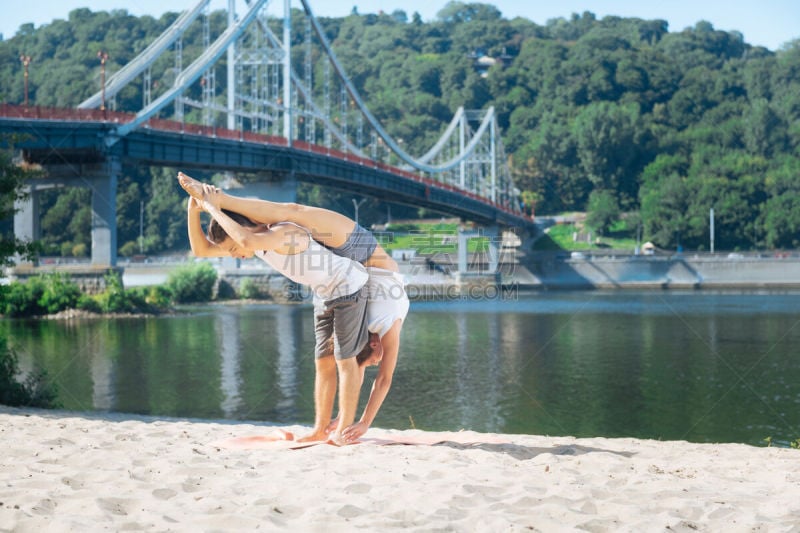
356	205
26	60
711	227
103	56
141	226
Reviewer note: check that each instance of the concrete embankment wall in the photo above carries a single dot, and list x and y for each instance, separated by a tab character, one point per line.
663	272
537	271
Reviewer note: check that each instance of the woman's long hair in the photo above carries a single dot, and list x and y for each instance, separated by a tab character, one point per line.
217	233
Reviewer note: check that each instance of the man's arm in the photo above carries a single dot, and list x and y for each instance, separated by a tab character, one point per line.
201	246
381	385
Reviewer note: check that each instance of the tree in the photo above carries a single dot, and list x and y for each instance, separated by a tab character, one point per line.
68	218
12	179
35	391
611	147
664	208
456	12
603	211
164	224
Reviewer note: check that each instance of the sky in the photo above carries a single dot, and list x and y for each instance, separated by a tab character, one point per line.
769	23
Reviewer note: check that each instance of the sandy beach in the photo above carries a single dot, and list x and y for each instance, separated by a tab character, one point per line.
64	471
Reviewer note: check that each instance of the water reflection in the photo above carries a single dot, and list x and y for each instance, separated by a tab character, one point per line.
287	357
651	365
102	375
229	347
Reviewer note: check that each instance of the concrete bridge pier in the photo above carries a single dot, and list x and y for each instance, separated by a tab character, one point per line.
102	179
492	253
104	213
27	225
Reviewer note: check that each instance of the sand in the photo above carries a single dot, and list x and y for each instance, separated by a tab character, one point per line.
64	471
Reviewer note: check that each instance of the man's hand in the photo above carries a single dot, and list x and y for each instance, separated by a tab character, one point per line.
194	204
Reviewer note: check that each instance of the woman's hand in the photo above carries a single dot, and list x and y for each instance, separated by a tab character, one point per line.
212	196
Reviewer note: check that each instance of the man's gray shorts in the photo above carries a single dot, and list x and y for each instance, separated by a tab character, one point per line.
340	325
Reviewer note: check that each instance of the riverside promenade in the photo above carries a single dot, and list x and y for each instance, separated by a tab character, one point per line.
677	271
438	277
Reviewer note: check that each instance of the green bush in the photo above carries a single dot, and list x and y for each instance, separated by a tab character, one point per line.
248	289
193	283
402	227
152	243
59	293
225	291
87	303
114	299
65	249
80	250
35	391
158	296
22	299
39	295
52	293
129	249
149	299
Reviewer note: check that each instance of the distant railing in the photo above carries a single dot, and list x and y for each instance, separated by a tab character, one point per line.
117	117
666	256
57	113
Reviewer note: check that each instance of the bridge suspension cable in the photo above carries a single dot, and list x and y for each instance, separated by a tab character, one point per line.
420	164
195	70
265	93
146	58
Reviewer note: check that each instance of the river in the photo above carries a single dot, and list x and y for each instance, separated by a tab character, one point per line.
692	365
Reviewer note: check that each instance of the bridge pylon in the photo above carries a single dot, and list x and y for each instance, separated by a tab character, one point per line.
102	179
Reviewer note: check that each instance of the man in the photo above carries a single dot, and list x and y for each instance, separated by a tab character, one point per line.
386	312
388	300
337	283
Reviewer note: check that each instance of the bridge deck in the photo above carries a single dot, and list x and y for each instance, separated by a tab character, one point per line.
53	136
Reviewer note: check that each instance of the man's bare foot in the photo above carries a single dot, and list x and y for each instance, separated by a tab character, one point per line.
191	186
314	437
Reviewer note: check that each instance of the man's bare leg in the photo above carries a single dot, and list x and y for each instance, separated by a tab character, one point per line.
324	395
349	389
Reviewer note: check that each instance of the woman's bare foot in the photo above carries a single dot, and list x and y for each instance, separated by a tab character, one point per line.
191	186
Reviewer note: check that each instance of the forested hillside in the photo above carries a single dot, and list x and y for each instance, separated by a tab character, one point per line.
612	115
